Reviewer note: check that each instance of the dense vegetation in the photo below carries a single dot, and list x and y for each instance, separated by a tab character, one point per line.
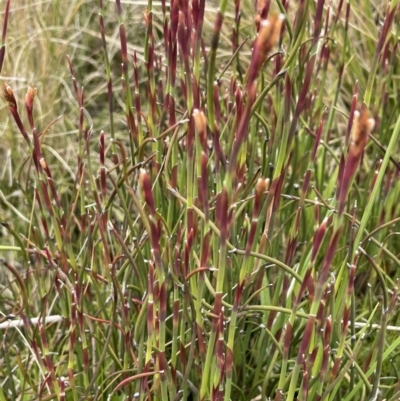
198	200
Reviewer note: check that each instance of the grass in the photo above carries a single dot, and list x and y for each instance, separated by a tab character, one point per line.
198	200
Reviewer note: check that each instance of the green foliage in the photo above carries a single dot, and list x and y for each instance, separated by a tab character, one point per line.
198	201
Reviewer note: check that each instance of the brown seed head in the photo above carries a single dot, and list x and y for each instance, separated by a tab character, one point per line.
146	16
43	163
268	34
9	95
262	186
145	185
30	96
200	120
200	123
362	126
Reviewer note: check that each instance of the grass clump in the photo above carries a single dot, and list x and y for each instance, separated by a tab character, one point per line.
199	201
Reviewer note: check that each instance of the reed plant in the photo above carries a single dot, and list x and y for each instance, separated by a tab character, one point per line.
198	200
